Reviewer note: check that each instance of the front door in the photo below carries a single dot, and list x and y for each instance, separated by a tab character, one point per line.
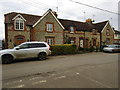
81	43
94	42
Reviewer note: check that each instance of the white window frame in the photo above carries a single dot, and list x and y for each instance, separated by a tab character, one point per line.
72	30
72	42
81	43
49	27
50	41
20	21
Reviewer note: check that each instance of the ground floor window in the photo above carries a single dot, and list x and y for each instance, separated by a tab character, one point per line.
107	40
50	40
81	43
72	40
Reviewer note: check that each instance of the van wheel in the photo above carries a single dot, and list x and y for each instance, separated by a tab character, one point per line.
42	56
7	59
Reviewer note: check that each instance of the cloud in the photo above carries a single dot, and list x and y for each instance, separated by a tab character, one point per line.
66	9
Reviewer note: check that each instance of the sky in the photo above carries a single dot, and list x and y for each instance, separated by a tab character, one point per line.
66	9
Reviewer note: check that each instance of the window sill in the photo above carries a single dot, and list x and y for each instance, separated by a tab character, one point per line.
49	31
71	32
19	29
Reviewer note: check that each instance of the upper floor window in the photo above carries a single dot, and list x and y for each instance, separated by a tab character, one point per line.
50	27
19	24
72	29
107	32
94	31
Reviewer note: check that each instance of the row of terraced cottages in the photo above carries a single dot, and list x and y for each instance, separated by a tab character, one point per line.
21	28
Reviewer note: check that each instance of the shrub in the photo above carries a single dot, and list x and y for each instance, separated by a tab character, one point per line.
63	49
91	49
81	49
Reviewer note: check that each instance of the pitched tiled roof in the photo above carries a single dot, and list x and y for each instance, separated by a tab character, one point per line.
80	26
117	32
100	26
30	19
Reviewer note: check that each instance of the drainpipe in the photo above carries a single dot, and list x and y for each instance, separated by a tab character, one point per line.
100	41
84	39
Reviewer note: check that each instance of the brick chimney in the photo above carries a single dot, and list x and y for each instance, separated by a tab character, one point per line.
89	21
55	13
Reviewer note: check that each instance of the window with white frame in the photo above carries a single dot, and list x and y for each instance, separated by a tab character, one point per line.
72	40
71	29
50	27
50	41
81	43
19	24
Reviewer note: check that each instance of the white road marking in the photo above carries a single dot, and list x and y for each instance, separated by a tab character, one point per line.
77	73
42	81
18	86
59	77
34	78
14	82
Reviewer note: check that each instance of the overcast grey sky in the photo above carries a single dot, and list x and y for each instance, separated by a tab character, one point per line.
66	10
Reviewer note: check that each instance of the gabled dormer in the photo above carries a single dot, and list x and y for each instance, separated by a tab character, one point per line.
19	22
72	29
94	31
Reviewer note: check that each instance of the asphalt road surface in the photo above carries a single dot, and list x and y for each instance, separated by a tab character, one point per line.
89	70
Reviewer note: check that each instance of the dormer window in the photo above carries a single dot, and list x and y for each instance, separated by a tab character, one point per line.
94	31
19	24
72	29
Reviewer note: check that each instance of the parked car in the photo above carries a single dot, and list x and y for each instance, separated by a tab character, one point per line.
112	48
26	50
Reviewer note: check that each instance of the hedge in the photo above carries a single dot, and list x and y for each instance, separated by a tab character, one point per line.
63	49
91	49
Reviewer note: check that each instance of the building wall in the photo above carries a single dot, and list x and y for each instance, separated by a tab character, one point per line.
104	36
116	38
40	30
91	37
11	33
77	35
39	33
87	36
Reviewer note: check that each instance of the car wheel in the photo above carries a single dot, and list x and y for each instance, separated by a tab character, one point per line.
7	59
42	56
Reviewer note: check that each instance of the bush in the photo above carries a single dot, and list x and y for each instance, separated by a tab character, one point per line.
63	49
91	49
81	49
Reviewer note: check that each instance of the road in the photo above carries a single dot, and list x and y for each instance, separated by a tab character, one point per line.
89	70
